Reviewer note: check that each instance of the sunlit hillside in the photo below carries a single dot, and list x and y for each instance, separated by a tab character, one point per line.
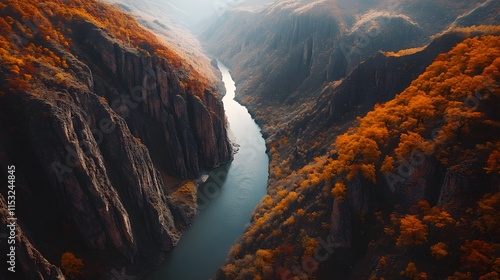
33	30
387	187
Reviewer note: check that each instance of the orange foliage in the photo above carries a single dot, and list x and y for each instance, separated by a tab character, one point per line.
439	92
71	266
460	276
422	206
412	273
490	276
309	244
439	250
488	220
412	231
41	24
494	160
339	191
478	254
435	99
439	218
387	165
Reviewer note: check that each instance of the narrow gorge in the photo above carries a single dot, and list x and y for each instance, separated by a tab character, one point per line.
225	201
350	139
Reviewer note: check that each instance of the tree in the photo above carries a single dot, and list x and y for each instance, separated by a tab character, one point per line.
439	218
478	254
71	265
490	276
488	220
439	250
494	162
4	26
387	165
339	191
460	276
412	273
412	231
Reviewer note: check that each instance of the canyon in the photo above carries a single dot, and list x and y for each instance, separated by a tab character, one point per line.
103	146
380	122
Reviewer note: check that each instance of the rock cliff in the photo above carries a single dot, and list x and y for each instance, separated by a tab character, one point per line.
146	91
102	133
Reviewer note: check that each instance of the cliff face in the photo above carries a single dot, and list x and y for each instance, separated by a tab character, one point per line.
383	77
33	264
93	127
288	53
282	57
291	48
146	91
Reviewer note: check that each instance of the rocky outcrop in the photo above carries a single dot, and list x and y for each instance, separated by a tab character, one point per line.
95	171
341	225
147	92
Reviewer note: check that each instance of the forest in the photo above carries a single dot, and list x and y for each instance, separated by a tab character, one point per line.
444	122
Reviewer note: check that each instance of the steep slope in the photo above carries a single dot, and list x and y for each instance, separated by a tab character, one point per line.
95	114
283	56
340	103
289	52
159	18
396	195
486	14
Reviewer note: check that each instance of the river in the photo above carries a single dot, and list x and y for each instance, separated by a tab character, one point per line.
226	200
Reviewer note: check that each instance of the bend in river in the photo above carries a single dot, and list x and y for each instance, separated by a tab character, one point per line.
226	201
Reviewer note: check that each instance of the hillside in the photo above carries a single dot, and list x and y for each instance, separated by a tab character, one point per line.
108	129
283	56
409	191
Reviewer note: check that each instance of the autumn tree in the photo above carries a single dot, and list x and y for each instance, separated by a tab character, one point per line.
438	218
494	161
439	250
477	255
387	165
460	276
412	231
71	266
412	273
339	191
488	211
490	276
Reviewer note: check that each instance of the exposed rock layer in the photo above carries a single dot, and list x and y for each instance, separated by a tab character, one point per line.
97	139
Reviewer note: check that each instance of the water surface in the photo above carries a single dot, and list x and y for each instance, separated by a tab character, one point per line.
226	201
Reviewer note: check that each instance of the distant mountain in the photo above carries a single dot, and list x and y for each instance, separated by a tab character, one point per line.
292	48
194	15
109	129
487	13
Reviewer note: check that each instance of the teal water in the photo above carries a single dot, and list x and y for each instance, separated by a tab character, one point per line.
226	200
